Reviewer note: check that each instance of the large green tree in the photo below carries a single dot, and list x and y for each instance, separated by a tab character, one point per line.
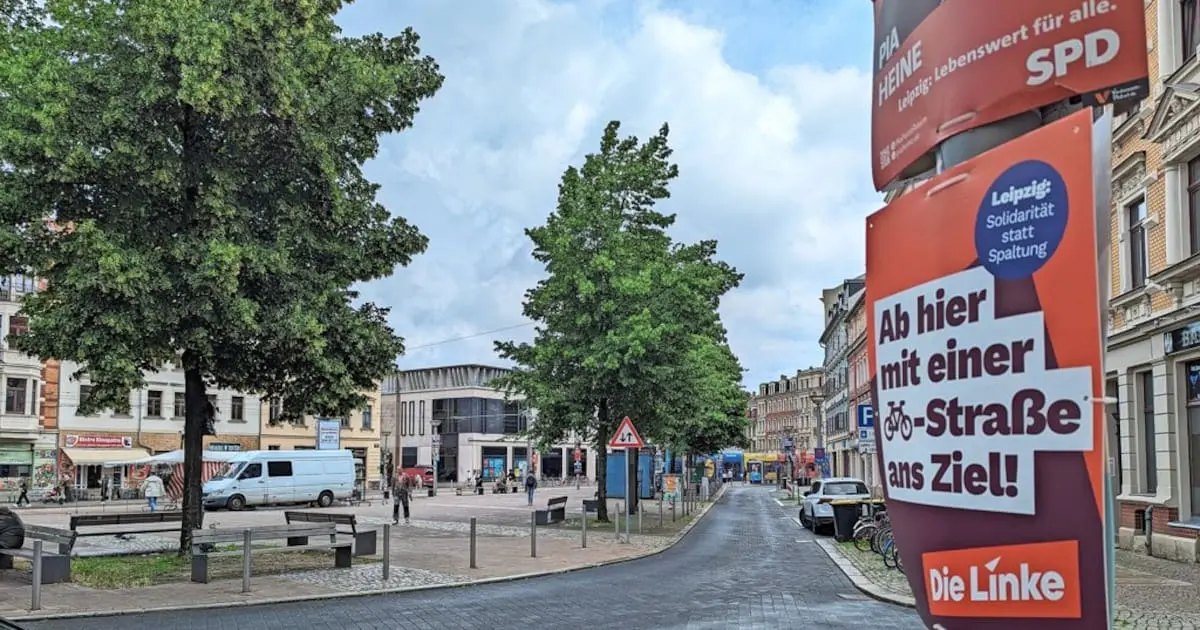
187	176
622	304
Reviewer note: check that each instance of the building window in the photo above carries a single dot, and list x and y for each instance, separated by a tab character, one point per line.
366	419
1193	200
412	418
154	406
237	409
212	400
17	325
273	447
33	398
85	392
344	421
1138	261
403	419
1191	28
422	424
180	405
275	410
1149	454
15	392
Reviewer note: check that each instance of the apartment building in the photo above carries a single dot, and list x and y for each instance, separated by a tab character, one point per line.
152	423
452	418
840	440
858	390
1153	359
357	432
783	416
25	450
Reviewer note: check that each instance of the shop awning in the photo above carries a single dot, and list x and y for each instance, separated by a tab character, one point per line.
101	456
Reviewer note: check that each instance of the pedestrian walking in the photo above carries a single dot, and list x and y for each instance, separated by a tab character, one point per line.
530	487
401	494
152	488
24	496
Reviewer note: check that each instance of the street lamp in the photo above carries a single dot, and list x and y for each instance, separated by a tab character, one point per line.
818	397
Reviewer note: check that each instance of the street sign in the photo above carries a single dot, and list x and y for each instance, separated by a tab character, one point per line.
789	444
626	436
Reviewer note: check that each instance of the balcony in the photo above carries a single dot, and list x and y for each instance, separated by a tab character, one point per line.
14	359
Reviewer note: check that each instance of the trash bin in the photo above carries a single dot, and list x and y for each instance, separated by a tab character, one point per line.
845	517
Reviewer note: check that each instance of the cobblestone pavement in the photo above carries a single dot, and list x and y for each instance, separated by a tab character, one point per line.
743	566
1152	594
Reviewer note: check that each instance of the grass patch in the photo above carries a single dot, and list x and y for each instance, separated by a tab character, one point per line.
121	572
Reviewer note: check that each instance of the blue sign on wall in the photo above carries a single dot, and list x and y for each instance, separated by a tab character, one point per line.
866	417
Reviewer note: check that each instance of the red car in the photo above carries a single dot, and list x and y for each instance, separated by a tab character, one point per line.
424	473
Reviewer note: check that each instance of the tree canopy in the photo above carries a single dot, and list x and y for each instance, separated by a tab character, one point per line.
187	176
627	321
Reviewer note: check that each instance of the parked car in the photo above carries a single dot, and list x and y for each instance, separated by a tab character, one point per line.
424	473
816	513
281	477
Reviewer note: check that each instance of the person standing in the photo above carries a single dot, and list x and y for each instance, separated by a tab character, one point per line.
152	488
24	496
530	487
401	495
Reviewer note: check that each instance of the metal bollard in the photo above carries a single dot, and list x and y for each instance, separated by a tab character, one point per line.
473	543
246	561
532	534
617	522
36	603
640	510
672	510
660	512
387	551
584	529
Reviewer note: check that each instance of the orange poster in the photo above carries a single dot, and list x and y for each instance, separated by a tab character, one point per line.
943	67
985	359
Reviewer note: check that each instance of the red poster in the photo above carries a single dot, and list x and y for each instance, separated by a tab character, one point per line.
943	67
986	359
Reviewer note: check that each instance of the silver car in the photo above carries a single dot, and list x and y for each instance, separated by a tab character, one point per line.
816	513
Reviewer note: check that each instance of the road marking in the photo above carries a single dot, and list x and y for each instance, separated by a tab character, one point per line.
780	503
798	523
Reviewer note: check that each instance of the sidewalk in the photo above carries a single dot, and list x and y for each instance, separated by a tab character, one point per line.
426	554
1152	594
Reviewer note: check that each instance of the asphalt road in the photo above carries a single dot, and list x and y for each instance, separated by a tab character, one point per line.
747	565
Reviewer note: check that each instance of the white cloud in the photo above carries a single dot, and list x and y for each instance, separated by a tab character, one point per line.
775	166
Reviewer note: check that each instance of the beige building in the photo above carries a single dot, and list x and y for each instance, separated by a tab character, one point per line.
1153	359
452	418
784	413
357	432
839	438
25	450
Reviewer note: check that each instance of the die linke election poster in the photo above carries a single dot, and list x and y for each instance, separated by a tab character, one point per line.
942	67
985	357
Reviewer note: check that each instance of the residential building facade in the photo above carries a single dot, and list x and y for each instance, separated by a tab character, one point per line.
839	439
451	417
859	403
783	415
1153	358
359	433
152	423
23	444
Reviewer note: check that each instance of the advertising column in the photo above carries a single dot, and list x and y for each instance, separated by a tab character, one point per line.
986	360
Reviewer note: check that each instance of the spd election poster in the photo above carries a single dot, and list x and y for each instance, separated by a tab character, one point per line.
985	359
943	67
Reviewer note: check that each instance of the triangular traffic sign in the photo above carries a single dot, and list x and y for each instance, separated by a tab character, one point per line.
626	436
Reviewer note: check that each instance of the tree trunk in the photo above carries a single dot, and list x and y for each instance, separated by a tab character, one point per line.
196	406
602	462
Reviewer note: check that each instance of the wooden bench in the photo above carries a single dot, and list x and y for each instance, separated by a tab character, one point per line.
128	522
204	541
555	512
56	555
365	540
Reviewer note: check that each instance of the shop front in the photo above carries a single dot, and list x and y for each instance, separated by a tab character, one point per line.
16	461
84	458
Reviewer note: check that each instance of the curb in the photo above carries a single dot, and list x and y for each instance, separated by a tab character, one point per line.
860	581
269	601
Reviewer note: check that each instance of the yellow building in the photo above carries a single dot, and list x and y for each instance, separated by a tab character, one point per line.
359	434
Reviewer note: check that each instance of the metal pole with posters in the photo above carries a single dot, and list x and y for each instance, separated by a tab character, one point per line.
953	80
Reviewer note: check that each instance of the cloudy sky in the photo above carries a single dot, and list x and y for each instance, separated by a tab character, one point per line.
768	106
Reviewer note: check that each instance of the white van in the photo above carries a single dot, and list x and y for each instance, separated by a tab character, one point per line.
277	477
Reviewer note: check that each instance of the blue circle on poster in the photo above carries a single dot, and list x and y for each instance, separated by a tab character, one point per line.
1021	220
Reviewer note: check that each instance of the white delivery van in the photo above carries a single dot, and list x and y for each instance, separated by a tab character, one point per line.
280	477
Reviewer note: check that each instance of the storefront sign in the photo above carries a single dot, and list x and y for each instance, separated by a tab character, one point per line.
1182	339
227	447
986	354
943	67
98	441
16	455
329	434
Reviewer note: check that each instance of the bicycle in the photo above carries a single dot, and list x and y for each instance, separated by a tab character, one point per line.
866	528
